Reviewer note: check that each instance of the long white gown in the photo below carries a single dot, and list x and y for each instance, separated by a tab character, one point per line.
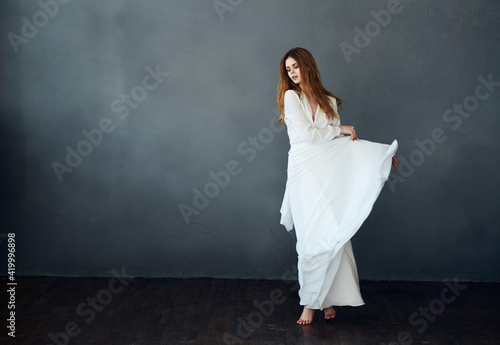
332	185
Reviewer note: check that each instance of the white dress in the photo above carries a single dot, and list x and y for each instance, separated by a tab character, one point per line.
331	187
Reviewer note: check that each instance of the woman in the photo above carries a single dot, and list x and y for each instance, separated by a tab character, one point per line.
333	181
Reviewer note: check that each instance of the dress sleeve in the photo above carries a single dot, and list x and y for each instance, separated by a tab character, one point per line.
302	127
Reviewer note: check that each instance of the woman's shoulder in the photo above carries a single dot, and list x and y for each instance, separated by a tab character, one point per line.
334	102
292	97
291	93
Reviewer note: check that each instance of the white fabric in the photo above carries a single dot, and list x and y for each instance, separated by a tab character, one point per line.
332	185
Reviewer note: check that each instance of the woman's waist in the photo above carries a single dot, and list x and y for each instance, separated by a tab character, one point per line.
304	146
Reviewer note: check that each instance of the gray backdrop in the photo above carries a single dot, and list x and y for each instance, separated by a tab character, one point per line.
140	135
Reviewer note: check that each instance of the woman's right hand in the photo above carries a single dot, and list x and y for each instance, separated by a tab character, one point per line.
350	131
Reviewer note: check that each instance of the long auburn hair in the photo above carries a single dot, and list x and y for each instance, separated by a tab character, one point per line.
311	79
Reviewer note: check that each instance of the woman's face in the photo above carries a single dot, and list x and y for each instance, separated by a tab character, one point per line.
292	67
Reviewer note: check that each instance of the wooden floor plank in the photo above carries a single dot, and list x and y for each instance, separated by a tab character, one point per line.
220	311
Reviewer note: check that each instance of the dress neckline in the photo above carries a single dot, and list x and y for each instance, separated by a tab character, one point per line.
313	113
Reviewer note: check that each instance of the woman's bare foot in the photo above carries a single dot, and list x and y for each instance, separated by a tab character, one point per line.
329	313
306	317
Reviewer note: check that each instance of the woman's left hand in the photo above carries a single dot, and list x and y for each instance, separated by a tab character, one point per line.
394	161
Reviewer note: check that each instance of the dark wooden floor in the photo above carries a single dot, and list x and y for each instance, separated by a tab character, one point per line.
217	311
